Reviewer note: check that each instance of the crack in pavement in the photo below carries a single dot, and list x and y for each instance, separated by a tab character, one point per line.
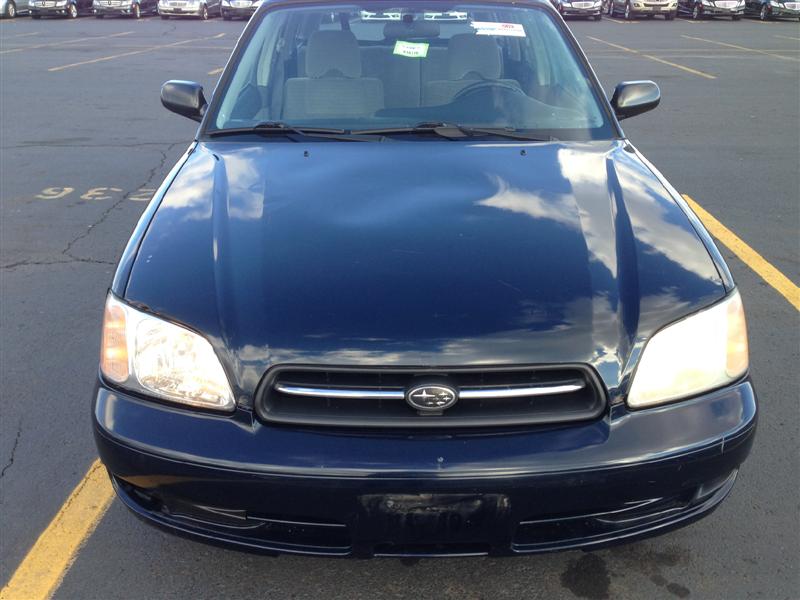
66	252
45	144
13	451
104	215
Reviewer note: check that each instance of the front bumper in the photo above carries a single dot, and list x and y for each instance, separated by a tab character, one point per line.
49	11
716	11
113	10
784	12
237	12
179	12
236	481
578	11
653	10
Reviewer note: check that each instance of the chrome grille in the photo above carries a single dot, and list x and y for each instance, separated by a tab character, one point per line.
376	397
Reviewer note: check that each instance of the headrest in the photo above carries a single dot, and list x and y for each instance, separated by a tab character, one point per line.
333	53
396	30
471	53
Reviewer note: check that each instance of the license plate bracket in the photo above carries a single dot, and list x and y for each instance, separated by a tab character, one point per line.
431	518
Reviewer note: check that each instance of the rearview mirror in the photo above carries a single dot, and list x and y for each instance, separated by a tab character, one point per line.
632	98
185	98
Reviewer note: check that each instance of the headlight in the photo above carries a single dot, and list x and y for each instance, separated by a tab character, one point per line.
701	352
155	357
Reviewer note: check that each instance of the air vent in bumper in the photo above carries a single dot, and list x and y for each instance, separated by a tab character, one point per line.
376	397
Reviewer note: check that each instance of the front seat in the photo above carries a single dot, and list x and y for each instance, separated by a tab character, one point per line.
333	86
470	58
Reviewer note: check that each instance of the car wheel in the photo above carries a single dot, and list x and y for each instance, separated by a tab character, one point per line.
628	11
764	16
736	17
11	10
204	13
72	11
136	11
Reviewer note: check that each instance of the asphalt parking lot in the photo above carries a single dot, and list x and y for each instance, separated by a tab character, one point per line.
83	144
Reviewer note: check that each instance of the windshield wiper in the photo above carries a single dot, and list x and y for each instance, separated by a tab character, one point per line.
278	128
455	131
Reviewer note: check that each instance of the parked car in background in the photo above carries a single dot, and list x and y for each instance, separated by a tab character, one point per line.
59	8
772	9
202	9
630	9
700	9
11	8
243	9
580	8
124	8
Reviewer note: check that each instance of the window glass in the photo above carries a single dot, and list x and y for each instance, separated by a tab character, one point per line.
358	67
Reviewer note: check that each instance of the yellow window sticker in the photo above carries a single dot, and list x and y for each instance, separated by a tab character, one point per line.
411	49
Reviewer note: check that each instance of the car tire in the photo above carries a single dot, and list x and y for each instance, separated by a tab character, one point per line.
136	11
11	10
72	12
736	17
628	11
764	16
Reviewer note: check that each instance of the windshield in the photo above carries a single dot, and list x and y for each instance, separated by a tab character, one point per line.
361	68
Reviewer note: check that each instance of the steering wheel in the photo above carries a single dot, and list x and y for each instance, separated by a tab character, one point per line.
478	86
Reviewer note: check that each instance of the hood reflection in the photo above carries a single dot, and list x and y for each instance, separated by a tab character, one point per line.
405	254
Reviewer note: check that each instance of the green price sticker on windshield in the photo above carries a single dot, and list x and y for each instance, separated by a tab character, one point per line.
411	49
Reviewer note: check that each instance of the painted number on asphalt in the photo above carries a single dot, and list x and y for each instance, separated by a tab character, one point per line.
95	194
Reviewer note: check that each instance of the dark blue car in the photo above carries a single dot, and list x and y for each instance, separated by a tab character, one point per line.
411	292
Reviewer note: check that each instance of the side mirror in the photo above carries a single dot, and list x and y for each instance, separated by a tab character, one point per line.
185	98
632	98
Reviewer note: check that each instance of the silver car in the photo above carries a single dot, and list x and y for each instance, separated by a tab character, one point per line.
11	8
202	9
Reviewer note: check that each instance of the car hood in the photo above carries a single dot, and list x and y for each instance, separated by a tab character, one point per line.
421	253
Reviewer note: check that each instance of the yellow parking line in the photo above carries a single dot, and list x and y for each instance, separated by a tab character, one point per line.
132	53
216	71
756	50
782	284
43	568
64	43
655	58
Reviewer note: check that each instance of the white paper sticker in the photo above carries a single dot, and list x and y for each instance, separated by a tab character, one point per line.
490	28
411	49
